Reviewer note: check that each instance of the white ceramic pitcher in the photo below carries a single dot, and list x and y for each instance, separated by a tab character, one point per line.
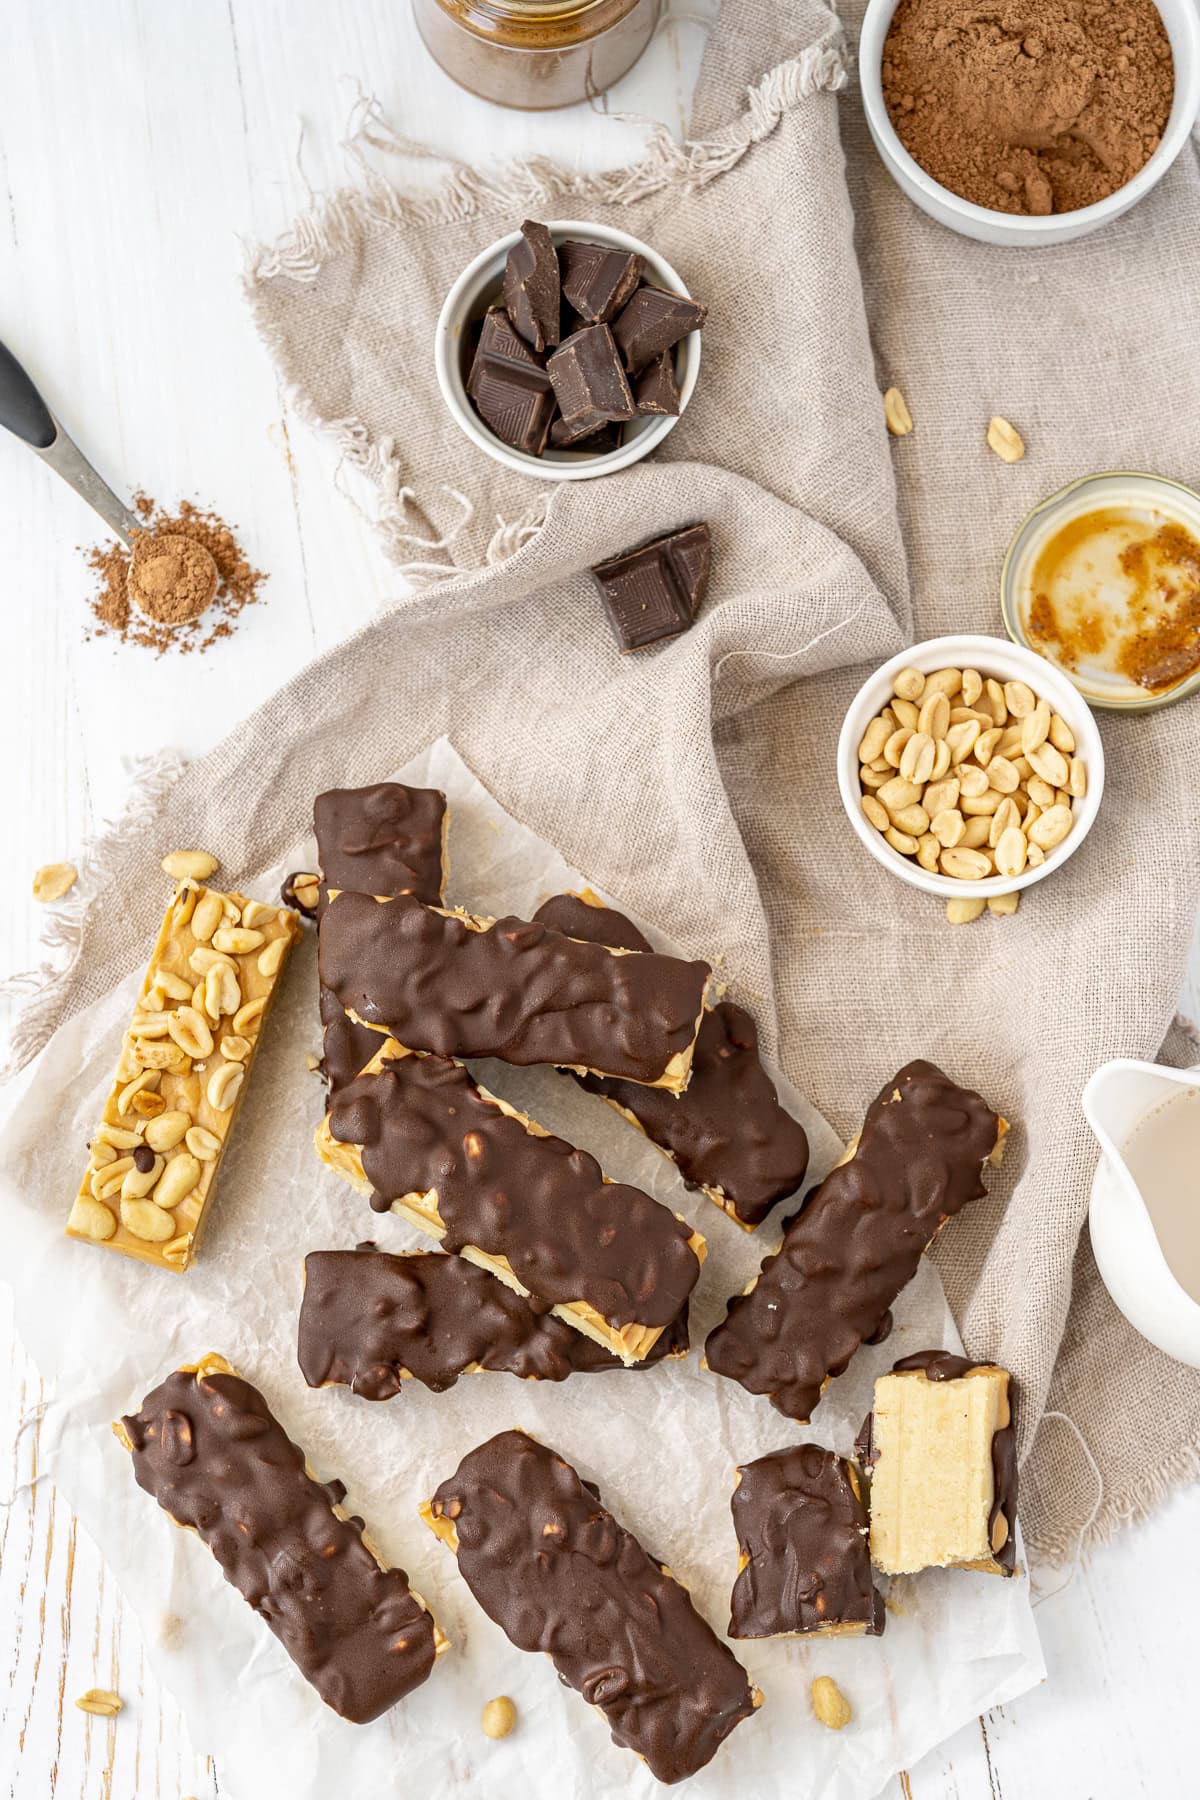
1128	1254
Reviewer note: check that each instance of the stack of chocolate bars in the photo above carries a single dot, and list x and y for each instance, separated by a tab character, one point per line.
545	1269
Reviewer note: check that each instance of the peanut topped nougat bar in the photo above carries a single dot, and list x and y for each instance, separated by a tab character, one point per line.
207	1447
942	1454
548	1562
726	1133
846	1255
512	988
420	1137
182	1075
803	1561
370	1321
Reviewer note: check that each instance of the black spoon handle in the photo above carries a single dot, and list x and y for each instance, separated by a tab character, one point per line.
22	409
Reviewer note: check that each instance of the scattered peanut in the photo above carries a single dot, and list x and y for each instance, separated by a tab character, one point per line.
190	865
1003	905
499	1717
100	1701
896	413
961	912
53	880
830	1704
1005	440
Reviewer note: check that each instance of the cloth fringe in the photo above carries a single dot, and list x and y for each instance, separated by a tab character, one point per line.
36	991
335	223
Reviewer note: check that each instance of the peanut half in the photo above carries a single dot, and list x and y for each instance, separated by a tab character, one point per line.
1005	440
53	880
830	1704
896	413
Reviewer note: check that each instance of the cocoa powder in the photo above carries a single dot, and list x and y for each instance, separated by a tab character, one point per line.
171	578
1029	106
176	625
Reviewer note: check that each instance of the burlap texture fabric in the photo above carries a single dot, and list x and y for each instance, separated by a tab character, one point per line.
696	780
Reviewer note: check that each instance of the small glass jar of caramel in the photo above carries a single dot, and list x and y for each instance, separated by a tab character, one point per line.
536	54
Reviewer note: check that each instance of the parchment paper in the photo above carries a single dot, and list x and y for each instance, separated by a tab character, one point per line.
662	1444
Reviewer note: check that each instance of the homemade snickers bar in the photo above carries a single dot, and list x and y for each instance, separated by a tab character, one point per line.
420	1137
726	1133
206	1445
370	1321
857	1242
941	1453
512	988
803	1562
550	1565
181	1075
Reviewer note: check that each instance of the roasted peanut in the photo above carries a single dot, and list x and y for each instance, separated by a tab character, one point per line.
830	1704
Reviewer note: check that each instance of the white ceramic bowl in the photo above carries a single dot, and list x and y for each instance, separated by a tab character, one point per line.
479	286
1007	662
1182	22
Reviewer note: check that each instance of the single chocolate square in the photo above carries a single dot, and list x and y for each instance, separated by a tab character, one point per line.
654	321
656	389
597	280
588	380
510	387
655	591
531	286
803	1561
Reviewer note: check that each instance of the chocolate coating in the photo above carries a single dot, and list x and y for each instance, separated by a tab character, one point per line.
423	1126
942	1365
548	1562
518	990
847	1254
366	1316
211	1453
803	1527
727	1130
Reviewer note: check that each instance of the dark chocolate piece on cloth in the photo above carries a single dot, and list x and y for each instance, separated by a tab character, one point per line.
366	1316
209	1450
656	389
727	1132
655	590
510	387
802	1532
547	1561
597	279
531	286
597	441
517	990
287	893
385	839
943	1365
589	382
848	1253
654	321
422	1125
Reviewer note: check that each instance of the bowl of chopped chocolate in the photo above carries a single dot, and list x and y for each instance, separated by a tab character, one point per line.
568	350
1029	121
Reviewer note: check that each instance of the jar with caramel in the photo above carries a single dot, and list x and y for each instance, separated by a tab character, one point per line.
535	54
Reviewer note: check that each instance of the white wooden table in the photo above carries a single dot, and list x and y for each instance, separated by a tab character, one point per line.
140	141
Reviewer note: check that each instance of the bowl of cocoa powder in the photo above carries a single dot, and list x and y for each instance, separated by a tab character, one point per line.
1029	121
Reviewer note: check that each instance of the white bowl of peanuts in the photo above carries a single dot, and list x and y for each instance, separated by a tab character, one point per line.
970	768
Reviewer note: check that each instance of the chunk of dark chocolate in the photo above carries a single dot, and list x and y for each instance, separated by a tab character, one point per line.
588	380
656	389
509	386
597	442
654	321
597	279
531	286
655	591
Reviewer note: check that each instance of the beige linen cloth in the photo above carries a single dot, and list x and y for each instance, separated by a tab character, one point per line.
696	780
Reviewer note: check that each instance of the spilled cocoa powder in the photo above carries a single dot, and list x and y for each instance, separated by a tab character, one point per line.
238	582
1029	106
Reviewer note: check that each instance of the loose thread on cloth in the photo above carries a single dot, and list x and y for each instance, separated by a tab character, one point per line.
1041	1595
36	990
31	1416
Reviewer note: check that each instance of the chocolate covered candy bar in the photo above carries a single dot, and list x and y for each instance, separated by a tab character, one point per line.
857	1242
941	1451
532	294
206	1445
803	1562
370	1321
597	279
550	1565
654	321
510	387
181	1075
588	380
655	591
726	1133
423	1140
385	839
459	986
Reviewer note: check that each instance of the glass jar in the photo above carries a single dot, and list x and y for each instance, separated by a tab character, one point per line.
536	54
